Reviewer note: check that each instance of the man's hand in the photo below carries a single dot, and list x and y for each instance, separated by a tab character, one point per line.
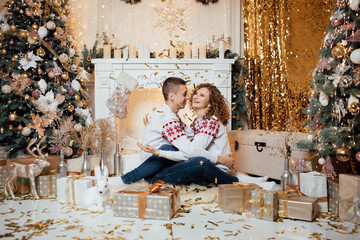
226	160
148	149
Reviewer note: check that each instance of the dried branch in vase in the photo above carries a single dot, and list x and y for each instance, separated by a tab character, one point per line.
104	132
88	136
61	134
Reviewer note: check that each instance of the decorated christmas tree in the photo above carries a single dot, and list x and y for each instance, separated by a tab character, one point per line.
41	83
333	110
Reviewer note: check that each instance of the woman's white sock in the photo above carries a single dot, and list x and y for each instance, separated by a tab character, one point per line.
115	181
247	179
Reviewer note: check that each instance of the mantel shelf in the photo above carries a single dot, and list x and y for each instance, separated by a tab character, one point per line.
162	60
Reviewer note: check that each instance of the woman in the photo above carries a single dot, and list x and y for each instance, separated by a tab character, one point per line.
210	134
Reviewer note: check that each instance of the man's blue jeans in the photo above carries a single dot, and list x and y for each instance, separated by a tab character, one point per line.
149	167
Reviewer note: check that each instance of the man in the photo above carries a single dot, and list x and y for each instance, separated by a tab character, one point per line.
165	128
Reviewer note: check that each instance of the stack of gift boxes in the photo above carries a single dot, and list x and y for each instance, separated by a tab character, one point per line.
315	194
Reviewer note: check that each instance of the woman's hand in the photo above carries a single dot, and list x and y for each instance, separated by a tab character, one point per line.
148	149
226	160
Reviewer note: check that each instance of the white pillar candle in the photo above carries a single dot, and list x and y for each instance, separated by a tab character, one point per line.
166	54
146	51
126	53
221	50
194	51
107	51
202	51
141	50
187	51
132	51
117	53
172	52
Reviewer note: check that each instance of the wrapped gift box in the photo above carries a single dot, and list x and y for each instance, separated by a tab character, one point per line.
349	198
235	197
3	173
46	185
264	204
313	184
333	196
23	185
141	203
255	150
298	207
71	188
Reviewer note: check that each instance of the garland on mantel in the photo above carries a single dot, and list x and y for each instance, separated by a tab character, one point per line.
205	2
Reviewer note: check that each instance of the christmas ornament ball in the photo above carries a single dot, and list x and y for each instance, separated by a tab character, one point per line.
12	27
354	107
26	131
65	76
64	57
35	93
40	52
338	51
357	156
50	25
355	56
343	154
71	92
12	116
346	81
42	32
336	22
51	74
328	43
23	34
56	3
70	108
68	151
3	51
10	127
78	127
11	42
6	89
321	161
20	128
35	26
77	97
5	27
310	137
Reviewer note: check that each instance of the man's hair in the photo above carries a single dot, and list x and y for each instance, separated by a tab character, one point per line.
171	84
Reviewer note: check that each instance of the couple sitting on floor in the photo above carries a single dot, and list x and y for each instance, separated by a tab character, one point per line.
171	154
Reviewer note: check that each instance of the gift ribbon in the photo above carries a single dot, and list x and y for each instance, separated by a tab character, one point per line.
72	179
244	186
262	206
154	188
354	209
285	196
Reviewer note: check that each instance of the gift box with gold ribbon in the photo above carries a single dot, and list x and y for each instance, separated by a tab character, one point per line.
235	197
349	197
154	201
297	207
314	184
333	196
71	188
3	173
23	185
46	184
264	204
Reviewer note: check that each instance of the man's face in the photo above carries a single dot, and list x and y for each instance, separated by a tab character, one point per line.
181	97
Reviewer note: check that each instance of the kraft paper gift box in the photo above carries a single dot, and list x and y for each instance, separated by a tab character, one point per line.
298	207
349	197
71	188
333	196
314	184
46	185
145	202
235	197
264	204
3	173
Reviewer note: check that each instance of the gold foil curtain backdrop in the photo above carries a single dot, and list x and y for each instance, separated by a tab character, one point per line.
281	40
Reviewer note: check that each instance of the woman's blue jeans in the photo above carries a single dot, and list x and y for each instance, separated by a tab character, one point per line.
196	170
149	167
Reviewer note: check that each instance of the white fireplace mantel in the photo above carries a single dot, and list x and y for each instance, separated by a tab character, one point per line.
152	72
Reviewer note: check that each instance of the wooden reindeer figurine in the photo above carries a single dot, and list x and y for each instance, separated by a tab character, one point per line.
16	168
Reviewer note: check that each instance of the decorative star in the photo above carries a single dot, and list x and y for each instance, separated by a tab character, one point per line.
170	17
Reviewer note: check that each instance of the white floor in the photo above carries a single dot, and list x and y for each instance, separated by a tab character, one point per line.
47	219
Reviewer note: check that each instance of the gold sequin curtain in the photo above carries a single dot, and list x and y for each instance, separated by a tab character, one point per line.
281	40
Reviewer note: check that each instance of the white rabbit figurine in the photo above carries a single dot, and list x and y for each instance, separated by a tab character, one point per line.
94	197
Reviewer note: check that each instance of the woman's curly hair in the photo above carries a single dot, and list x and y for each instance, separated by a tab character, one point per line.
219	107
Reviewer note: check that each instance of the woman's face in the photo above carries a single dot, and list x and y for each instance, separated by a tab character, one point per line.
201	99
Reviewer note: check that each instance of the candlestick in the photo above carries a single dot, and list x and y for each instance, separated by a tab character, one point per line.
146	51
202	51
172	52
117	53
187	51
141	50
221	50
107	51
126	53
132	51
194	51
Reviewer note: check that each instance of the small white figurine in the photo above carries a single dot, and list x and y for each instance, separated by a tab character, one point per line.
94	197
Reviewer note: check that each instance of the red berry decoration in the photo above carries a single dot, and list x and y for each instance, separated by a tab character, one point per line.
336	22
